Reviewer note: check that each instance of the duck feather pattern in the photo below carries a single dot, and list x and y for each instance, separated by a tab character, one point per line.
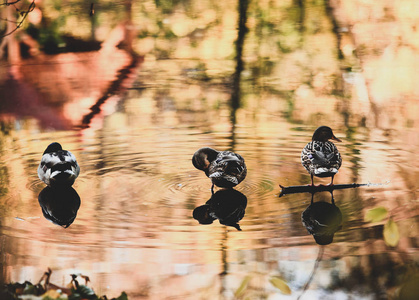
58	167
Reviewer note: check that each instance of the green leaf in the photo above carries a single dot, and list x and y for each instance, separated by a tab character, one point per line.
376	214
391	233
281	285
242	286
74	296
86	292
123	296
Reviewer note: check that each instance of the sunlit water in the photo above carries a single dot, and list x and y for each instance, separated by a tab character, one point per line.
134	230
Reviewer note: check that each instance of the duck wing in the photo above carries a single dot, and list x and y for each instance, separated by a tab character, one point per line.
228	170
320	154
60	165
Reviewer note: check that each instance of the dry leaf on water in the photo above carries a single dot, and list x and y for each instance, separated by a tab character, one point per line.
391	233
376	214
281	285
242	287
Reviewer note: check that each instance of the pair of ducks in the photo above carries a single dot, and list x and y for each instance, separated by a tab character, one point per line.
226	169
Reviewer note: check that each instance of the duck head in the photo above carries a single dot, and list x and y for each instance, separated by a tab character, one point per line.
323	134
203	158
53	147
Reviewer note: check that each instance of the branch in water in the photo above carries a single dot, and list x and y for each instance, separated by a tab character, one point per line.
285	190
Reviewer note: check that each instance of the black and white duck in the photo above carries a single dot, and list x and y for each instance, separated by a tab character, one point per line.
320	157
58	167
226	169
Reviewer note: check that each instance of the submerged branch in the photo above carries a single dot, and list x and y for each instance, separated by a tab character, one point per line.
316	266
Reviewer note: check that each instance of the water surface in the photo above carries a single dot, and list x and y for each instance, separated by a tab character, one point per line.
134	122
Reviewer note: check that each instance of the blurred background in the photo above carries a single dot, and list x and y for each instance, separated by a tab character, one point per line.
134	88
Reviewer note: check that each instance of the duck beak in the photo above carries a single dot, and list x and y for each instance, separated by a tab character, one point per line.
335	138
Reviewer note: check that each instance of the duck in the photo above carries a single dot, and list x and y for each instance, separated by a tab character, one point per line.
58	167
321	157
226	169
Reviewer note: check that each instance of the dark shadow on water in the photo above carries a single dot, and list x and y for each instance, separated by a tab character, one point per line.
59	205
226	205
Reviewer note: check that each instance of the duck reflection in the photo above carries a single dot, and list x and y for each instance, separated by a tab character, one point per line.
322	220
59	204
226	205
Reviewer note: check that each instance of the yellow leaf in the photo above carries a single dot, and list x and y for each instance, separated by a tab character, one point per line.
242	287
376	214
281	285
391	233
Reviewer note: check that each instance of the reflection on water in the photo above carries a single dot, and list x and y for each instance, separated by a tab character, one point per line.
59	205
226	205
256	79
322	220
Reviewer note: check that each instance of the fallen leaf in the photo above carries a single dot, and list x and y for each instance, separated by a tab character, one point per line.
376	214
391	233
281	285
242	287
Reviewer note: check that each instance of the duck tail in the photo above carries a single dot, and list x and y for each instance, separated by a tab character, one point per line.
325	172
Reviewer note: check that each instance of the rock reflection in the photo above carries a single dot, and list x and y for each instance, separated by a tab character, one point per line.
322	220
59	205
226	205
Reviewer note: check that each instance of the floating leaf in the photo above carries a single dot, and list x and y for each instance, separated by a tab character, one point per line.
242	287
281	285
391	233
376	214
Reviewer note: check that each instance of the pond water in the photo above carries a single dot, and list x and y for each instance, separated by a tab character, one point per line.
200	78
